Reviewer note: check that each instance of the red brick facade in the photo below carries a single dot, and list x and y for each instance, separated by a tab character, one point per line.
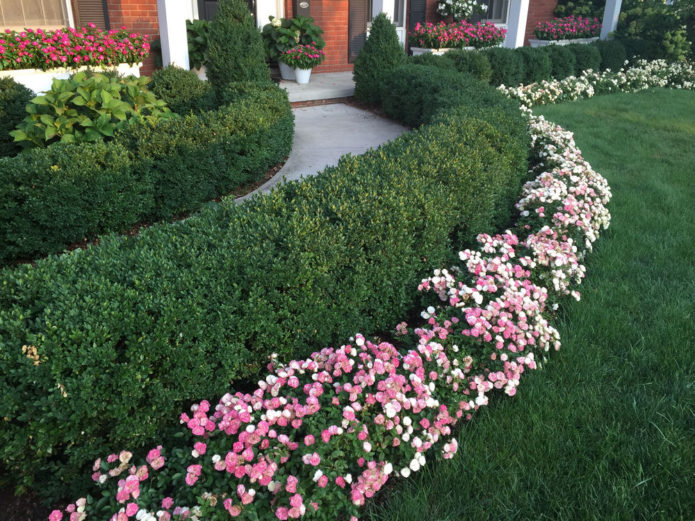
139	16
538	11
330	15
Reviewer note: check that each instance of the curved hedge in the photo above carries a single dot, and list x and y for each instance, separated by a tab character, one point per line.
123	335
68	193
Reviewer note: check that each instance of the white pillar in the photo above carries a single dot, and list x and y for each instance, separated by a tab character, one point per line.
172	33
516	23
268	8
610	18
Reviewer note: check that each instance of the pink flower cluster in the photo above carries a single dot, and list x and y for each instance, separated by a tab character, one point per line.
568	28
458	35
69	47
321	436
303	56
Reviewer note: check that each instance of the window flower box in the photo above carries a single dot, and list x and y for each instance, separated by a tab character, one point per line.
40	81
543	43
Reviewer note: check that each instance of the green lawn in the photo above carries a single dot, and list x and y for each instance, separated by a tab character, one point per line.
607	430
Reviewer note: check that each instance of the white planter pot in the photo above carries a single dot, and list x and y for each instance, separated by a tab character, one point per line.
302	76
286	72
40	81
417	51
202	73
543	43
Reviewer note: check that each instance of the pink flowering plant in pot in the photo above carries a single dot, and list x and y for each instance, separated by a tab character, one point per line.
303	56
568	28
316	438
70	47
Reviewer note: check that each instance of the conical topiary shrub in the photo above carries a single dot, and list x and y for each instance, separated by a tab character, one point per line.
236	49
382	52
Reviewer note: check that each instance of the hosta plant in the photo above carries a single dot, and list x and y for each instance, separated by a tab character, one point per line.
198	34
87	107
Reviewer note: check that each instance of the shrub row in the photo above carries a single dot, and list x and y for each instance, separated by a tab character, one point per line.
101	347
511	67
53	197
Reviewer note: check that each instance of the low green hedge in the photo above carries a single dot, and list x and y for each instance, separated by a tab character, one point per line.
537	64
67	193
562	61
586	57
129	332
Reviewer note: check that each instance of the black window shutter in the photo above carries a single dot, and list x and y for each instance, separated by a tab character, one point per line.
358	16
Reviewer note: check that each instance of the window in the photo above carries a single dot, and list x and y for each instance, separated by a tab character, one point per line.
497	11
44	14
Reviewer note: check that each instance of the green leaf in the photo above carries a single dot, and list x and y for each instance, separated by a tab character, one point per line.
19	135
40	100
79	101
67	138
46	119
50	133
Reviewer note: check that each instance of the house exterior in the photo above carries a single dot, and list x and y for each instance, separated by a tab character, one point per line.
345	22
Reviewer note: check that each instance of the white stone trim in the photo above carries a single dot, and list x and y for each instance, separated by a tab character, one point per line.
516	23
611	13
172	31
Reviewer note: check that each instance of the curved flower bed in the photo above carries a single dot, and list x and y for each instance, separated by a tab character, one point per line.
643	75
458	35
70	47
322	435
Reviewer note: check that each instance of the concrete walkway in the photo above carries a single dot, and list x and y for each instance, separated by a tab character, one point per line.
324	133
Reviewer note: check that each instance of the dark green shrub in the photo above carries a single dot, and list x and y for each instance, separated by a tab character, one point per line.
431	60
562	61
130	331
87	107
380	55
586	57
537	64
652	29
182	90
150	171
613	54
236	49
507	67
13	100
474	63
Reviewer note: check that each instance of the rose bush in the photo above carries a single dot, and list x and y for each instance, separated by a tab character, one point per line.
322	435
70	47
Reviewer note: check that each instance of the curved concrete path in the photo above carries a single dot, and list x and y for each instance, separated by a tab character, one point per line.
324	133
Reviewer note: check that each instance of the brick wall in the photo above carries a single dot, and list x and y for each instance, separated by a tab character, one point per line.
332	17
538	11
139	16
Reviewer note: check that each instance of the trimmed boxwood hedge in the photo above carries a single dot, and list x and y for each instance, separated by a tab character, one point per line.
67	193
129	332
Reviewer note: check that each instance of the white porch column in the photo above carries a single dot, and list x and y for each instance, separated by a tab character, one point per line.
610	18
172	32
267	8
516	23
384	6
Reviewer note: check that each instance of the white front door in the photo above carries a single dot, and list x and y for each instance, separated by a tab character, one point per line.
396	11
267	8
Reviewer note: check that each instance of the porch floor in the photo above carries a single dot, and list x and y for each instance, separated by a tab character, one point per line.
324	86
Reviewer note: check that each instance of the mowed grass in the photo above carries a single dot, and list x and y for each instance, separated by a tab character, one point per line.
606	430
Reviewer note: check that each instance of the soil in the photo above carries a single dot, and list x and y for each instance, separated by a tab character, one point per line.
26	507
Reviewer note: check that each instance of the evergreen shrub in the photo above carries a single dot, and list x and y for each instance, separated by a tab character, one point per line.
585	57
13	100
537	64
475	63
507	67
613	54
235	52
182	90
129	332
562	61
381	53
